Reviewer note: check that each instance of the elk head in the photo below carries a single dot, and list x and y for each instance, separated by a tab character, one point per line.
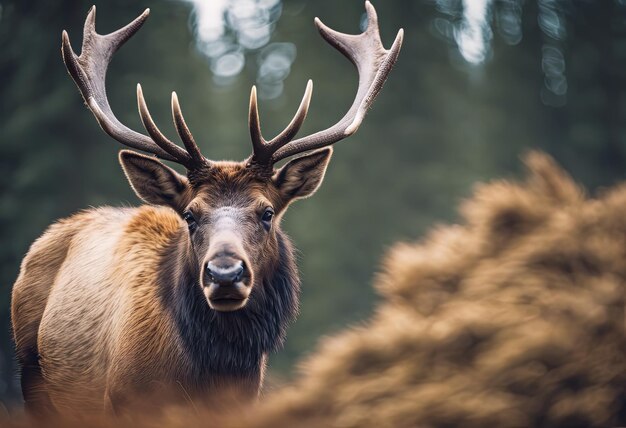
232	209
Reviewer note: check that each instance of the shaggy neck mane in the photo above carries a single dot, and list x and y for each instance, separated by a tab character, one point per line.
228	344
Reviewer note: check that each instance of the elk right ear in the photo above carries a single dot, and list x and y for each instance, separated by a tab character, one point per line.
153	181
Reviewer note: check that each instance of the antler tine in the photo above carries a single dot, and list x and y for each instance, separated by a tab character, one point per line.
263	150
184	133
259	145
89	73
121	36
156	135
298	119
89	70
373	63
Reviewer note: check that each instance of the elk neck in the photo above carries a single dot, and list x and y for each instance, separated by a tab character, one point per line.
228	344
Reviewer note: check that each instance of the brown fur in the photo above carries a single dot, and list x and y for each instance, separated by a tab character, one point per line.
29	298
108	308
49	278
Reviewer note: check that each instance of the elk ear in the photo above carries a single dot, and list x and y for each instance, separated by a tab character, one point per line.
301	177
153	181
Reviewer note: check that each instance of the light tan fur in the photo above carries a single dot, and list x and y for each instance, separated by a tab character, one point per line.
86	280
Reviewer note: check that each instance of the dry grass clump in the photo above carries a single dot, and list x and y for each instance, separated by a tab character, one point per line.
515	318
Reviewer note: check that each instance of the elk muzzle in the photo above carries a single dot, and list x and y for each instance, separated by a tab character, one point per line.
225	271
226	275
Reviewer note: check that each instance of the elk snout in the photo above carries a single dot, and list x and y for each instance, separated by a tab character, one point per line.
226	282
225	271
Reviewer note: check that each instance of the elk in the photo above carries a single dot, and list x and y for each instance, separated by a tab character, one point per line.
189	293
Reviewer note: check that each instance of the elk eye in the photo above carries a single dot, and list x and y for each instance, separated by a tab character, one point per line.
268	214
190	219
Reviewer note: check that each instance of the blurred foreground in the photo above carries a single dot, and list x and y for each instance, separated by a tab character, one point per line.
515	317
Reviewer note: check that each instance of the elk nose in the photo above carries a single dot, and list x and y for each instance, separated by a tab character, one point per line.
225	271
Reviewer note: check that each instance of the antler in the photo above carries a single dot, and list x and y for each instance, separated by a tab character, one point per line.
89	73
373	63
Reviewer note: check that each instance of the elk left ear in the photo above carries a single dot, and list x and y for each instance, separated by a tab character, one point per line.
301	177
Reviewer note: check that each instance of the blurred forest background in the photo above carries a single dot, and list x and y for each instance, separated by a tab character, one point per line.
478	82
